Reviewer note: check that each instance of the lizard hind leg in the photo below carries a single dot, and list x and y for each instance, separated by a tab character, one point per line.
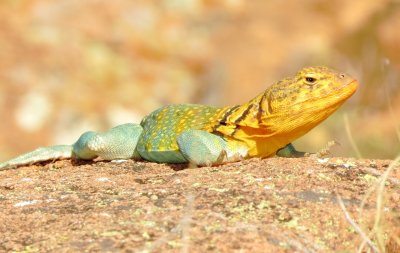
202	148
117	143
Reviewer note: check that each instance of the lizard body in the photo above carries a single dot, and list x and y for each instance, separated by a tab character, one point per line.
206	135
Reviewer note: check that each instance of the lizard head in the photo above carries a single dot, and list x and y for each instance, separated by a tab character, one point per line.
296	104
286	110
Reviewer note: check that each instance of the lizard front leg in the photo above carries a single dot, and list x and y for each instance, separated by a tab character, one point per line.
205	149
290	151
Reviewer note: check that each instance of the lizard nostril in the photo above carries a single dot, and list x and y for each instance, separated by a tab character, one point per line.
341	76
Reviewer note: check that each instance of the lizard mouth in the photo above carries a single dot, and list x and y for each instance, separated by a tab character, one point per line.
345	91
342	92
354	82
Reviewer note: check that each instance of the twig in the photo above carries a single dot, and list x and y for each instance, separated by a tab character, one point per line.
376	172
182	227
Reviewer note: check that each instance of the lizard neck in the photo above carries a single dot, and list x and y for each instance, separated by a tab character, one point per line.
246	124
230	119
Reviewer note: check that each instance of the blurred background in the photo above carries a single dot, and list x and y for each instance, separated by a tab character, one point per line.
69	66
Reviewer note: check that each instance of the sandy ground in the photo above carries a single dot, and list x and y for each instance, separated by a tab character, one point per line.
271	205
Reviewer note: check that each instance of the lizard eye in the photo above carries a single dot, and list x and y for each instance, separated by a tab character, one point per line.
310	80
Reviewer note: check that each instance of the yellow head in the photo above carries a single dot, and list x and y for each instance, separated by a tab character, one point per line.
295	105
285	111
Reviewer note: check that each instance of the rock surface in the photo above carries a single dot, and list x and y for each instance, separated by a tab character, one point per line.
270	205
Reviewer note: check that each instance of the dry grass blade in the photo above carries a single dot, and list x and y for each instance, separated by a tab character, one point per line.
356	227
379	204
392	114
350	136
379	187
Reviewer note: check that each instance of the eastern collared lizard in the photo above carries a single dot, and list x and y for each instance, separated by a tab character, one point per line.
205	135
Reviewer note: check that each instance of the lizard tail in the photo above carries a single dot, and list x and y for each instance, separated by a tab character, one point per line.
39	155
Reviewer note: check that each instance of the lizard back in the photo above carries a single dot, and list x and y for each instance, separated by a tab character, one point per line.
162	127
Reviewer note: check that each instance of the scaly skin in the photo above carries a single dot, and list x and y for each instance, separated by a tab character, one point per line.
204	135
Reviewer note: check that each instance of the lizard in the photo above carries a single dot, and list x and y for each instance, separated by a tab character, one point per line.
205	135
